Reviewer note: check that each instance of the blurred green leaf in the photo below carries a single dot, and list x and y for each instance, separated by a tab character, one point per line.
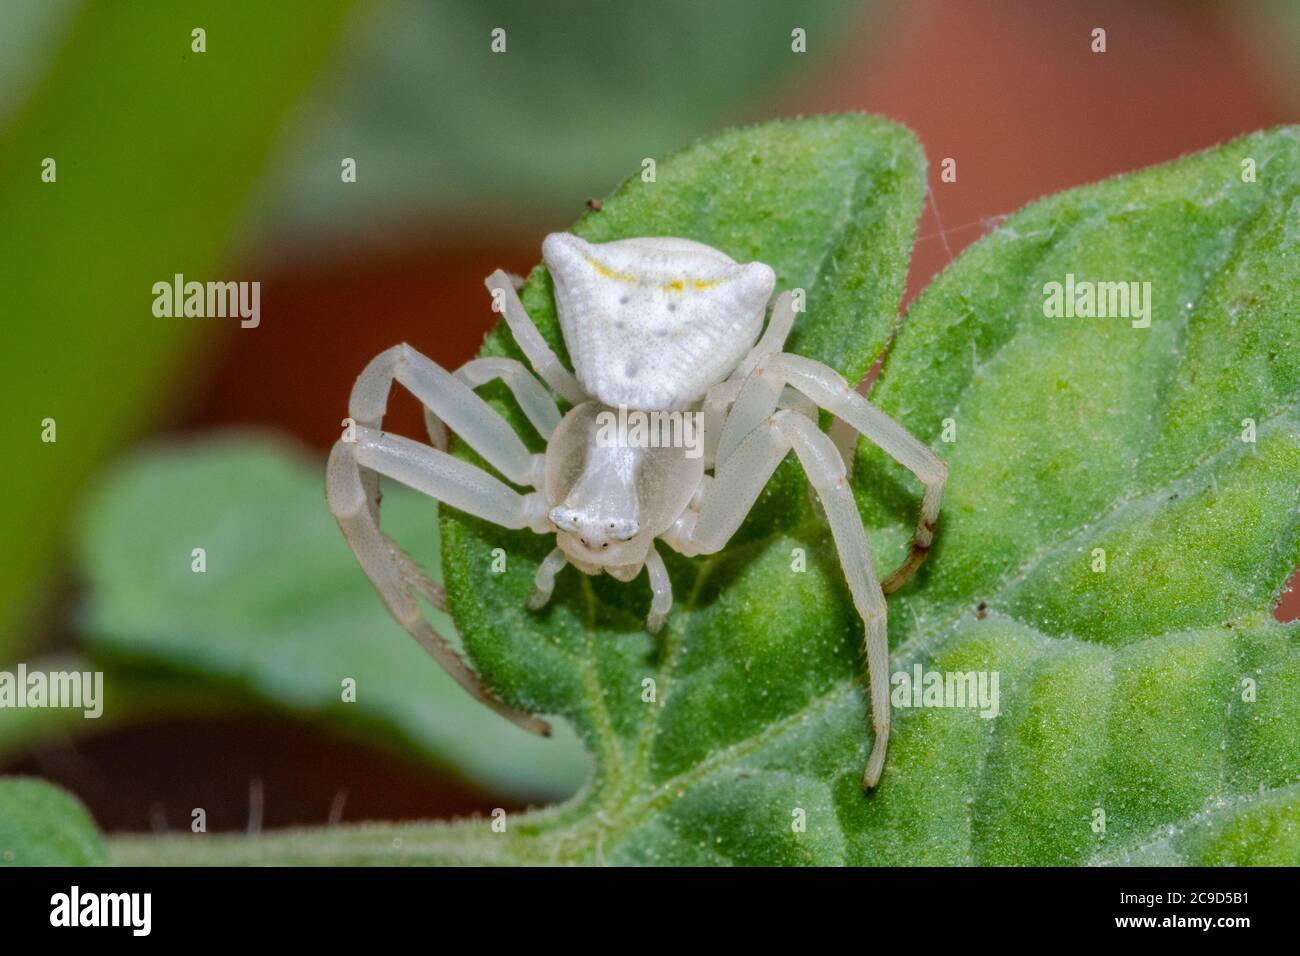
584	91
1160	697
30	31
282	613
42	825
156	149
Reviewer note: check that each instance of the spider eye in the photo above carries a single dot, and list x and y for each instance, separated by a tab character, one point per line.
563	519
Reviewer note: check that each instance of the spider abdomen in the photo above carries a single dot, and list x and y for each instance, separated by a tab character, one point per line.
652	323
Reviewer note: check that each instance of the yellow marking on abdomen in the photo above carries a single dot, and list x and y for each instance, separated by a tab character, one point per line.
676	285
608	273
699	285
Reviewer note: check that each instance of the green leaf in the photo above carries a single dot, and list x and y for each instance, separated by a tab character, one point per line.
280	615
1149	712
42	825
1258	830
30	31
1126	686
157	150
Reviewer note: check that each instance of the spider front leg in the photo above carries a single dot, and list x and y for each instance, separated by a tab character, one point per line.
352	489
661	591
661	586
732	493
544	581
830	391
540	355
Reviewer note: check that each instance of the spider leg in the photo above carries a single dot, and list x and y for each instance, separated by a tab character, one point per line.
448	399
661	591
393	574
719	398
534	401
355	466
544	582
732	493
717	403
774	336
830	391
540	355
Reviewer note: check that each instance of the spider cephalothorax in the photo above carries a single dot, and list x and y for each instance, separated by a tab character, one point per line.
680	414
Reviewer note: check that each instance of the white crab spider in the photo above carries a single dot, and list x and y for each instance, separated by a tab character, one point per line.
654	325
